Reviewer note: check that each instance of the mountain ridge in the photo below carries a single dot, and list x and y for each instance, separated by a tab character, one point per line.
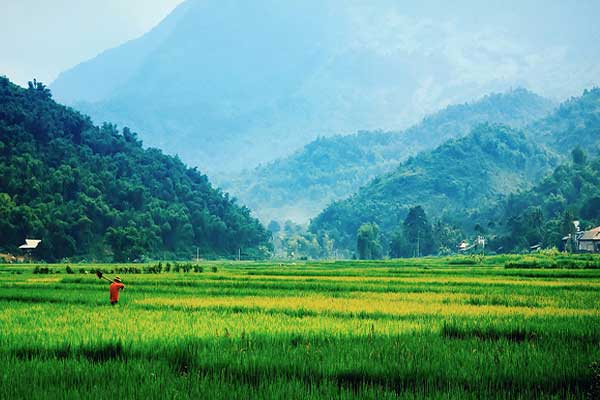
228	85
331	168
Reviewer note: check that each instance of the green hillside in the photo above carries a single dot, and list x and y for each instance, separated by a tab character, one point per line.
464	183
451	182
96	193
543	214
299	186
575	122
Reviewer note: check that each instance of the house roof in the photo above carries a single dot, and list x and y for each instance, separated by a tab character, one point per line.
592	234
30	244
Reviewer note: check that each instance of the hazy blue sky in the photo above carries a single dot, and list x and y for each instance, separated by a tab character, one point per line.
41	38
547	45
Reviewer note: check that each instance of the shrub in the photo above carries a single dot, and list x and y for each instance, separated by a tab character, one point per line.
462	261
552	252
153	269
213	268
41	270
69	270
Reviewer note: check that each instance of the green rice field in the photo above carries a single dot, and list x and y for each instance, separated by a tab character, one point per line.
449	328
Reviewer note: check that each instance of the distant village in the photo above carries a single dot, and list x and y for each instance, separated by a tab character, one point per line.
581	242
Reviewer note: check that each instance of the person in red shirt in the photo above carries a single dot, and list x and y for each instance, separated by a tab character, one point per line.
114	289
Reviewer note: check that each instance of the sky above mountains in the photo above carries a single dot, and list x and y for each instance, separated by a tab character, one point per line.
547	39
40	39
547	44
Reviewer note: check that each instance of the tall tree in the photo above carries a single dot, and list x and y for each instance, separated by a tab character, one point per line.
567	229
578	155
367	242
418	232
399	247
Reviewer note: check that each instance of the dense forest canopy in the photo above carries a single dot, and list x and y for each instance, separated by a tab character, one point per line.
544	214
299	186
94	192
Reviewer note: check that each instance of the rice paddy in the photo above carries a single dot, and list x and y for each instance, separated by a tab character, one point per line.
419	328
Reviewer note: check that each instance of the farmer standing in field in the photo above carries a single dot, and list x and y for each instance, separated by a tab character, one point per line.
114	289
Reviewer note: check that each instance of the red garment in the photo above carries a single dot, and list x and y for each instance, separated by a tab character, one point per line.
114	291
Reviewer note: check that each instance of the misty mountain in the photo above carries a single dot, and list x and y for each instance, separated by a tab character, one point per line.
94	193
230	84
576	122
299	186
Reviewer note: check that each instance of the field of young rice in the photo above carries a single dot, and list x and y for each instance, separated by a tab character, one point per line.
499	327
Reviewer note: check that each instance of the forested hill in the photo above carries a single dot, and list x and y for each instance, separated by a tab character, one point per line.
93	192
451	182
299	186
576	122
544	214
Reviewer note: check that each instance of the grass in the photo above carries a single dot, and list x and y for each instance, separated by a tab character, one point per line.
421	328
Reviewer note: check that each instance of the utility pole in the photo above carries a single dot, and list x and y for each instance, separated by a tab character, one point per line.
197	254
483	243
239	254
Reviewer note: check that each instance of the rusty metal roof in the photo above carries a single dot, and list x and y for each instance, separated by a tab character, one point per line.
592	234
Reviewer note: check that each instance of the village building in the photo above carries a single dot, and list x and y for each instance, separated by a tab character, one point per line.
463	246
589	241
29	246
